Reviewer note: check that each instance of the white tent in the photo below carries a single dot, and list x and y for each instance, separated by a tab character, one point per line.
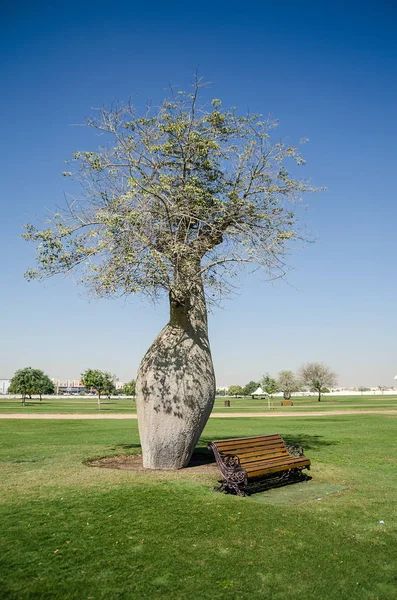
258	392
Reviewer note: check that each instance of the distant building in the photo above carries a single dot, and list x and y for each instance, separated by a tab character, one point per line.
75	386
67	386
4	385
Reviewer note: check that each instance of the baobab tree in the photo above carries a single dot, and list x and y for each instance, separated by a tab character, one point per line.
175	201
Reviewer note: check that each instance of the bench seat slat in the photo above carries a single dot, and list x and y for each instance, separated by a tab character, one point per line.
282	466
249	438
277	461
237	448
268	470
260	458
247	441
262	451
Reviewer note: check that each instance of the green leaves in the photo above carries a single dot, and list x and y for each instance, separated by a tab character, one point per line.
101	381
30	381
176	184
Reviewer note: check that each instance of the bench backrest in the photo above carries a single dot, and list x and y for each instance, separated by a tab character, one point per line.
250	450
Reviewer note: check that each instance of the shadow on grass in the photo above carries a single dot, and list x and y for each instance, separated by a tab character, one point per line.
201	456
126	446
309	442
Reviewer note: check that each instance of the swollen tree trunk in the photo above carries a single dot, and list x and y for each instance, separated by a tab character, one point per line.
175	386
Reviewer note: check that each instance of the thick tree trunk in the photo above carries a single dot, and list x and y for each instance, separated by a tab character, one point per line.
319	396
175	386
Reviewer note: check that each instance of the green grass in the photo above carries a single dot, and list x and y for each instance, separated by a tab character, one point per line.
86	405
77	404
69	531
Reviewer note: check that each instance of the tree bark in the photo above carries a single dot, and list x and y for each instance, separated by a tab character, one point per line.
319	396
175	386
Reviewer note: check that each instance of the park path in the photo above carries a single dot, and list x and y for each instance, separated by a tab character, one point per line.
220	415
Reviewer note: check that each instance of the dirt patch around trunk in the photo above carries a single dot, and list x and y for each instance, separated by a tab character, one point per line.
200	464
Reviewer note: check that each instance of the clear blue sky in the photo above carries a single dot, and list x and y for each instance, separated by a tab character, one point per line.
328	71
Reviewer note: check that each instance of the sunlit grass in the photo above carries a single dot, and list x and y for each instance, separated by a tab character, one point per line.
69	531
84	404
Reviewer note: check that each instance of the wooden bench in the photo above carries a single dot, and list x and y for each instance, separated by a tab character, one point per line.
287	403
246	460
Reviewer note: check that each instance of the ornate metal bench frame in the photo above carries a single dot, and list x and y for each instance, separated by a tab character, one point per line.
235	477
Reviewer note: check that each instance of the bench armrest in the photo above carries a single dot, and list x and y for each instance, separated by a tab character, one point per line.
230	460
295	450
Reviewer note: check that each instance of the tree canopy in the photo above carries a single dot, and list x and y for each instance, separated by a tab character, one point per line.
287	382
317	376
235	390
30	381
100	381
250	388
269	385
130	388
187	190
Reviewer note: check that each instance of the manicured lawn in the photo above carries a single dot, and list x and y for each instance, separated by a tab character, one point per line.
69	531
88	405
67	404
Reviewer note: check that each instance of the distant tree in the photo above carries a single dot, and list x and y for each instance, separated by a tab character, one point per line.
30	381
129	388
287	383
44	385
269	385
364	389
317	376
100	381
250	388
235	390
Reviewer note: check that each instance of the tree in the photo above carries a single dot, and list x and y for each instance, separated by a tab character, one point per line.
235	390
30	381
250	388
175	201
44	385
100	381
317	376
287	383
269	385
129	388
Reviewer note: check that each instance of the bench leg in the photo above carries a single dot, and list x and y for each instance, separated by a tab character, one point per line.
230	486
220	488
